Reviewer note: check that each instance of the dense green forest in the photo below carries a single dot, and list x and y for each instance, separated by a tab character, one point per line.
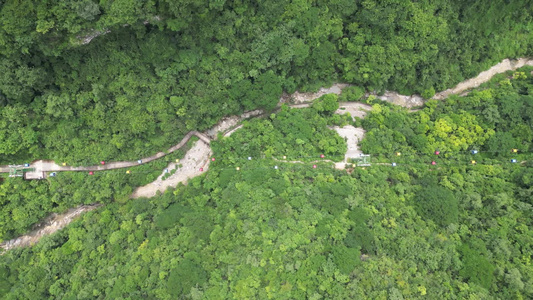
453	230
162	68
291	134
83	81
24	203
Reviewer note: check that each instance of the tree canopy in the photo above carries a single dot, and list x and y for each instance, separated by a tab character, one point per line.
86	81
454	230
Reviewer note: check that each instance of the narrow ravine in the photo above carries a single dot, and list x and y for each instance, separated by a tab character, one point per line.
504	66
461	88
49	225
196	161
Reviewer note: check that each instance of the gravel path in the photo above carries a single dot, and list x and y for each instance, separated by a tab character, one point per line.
41	167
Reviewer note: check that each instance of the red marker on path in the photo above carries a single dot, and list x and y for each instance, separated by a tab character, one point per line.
314	166
91	173
201	169
433	163
212	159
102	162
437	152
322	156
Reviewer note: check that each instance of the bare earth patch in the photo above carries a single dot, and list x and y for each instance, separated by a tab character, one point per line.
353	136
195	163
298	97
355	109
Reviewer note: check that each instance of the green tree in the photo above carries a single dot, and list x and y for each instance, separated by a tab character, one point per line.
437	204
476	267
428	93
501	143
326	104
184	276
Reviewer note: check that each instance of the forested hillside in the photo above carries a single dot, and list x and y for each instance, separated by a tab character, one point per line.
262	228
155	70
85	81
23	203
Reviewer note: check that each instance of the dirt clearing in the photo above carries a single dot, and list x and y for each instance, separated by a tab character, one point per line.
353	136
195	163
355	109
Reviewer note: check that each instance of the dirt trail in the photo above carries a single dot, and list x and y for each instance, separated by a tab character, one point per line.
42	166
48	226
230	122
416	100
230	132
461	88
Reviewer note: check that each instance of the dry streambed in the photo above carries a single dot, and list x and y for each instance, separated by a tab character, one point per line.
50	225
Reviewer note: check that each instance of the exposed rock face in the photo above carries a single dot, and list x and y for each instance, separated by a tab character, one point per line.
298	97
402	100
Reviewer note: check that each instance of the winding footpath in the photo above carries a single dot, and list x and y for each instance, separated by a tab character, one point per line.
197	160
41	166
301	100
